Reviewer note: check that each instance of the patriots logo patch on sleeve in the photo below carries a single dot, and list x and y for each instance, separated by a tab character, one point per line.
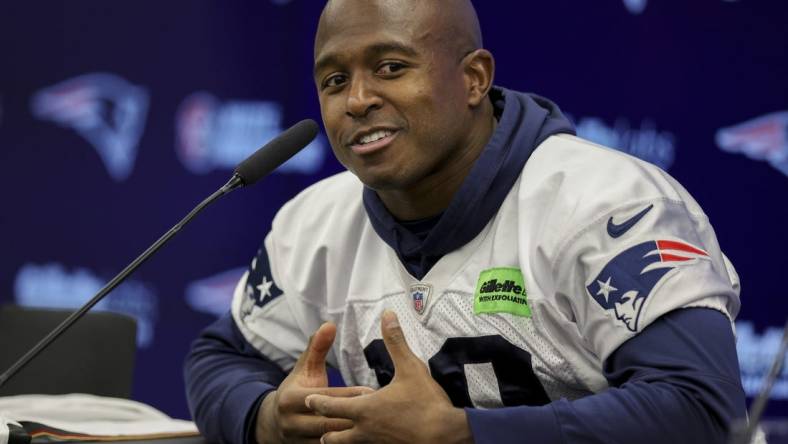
260	287
627	280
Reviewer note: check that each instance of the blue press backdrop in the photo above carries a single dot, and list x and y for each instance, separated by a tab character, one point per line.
116	118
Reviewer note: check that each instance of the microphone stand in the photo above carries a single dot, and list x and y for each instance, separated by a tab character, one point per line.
235	182
743	430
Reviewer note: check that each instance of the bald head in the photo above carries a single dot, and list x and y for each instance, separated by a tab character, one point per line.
450	25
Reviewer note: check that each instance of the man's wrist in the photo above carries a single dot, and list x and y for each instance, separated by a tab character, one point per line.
264	421
458	430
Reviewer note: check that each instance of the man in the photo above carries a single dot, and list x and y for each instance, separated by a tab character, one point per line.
479	274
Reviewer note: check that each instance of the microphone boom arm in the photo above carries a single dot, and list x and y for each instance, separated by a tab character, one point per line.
235	182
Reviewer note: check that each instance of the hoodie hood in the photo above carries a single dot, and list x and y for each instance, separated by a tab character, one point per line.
524	122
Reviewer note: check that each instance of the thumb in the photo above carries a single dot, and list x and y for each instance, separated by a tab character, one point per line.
312	362
401	355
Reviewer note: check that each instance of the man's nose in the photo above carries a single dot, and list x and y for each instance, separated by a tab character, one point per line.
362	98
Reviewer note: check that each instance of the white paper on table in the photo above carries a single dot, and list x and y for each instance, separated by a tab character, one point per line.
93	415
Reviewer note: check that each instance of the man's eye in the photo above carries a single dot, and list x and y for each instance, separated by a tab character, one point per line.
390	68
334	80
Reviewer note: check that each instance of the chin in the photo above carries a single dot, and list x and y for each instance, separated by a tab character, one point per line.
380	180
379	183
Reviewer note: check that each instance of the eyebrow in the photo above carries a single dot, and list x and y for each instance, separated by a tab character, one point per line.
372	50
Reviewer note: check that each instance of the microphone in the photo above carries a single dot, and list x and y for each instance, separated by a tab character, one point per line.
254	168
276	152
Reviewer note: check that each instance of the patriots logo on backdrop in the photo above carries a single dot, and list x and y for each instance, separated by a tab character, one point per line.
260	287
762	138
105	109
627	280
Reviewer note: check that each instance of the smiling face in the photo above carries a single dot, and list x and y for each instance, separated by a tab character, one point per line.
398	90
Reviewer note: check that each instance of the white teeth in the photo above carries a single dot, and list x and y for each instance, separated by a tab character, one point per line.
377	135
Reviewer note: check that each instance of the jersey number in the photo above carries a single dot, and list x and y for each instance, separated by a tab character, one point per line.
517	383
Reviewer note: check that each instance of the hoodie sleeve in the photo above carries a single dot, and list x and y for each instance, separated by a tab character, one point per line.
226	379
677	381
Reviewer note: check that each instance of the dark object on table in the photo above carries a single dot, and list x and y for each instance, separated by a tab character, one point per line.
96	356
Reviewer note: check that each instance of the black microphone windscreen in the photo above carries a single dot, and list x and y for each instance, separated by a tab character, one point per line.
277	151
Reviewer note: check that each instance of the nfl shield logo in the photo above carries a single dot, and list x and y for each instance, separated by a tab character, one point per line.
419	294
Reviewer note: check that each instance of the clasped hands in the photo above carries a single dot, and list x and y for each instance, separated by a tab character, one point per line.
412	409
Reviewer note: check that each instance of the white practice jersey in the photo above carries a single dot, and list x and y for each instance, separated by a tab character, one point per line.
588	248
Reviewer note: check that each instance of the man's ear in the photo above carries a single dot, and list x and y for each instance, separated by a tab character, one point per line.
479	67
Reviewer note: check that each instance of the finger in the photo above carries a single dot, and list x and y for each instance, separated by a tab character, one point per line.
342	392
335	407
293	400
343	437
311	426
319	346
300	362
394	339
316	350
